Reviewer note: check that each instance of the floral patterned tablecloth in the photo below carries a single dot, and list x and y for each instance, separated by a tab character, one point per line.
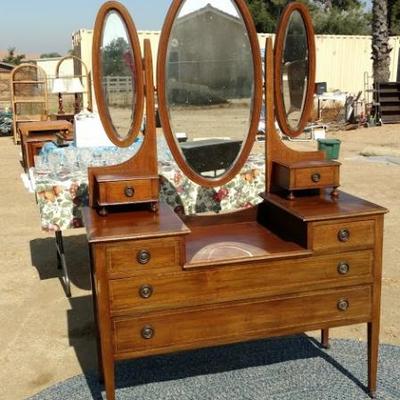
61	198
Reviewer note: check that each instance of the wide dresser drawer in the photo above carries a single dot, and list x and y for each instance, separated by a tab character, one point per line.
151	291
155	333
342	235
133	258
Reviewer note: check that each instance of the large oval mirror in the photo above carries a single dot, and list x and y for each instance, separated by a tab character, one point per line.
294	69
118	80
209	87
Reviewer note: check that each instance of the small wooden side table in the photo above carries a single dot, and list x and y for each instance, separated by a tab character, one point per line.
35	134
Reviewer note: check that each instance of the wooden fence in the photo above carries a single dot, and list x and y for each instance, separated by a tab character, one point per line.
118	90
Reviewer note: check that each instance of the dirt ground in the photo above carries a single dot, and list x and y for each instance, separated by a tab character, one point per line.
46	338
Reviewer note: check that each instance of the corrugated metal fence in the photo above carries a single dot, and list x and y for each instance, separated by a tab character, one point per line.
342	61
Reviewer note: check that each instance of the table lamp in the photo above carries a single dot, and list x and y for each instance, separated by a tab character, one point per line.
59	87
75	87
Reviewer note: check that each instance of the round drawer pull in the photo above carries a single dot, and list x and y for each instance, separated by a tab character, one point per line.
146	291
147	332
343	268
343	305
316	177
129	191
143	256
344	235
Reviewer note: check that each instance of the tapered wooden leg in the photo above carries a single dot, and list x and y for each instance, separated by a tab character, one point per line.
373	349
103	317
109	379
325	338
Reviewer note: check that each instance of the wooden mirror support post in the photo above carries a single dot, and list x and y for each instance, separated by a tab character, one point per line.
296	171
136	180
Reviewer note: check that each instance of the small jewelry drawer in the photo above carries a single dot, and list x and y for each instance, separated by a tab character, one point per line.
127	191
137	257
342	235
155	333
306	175
315	177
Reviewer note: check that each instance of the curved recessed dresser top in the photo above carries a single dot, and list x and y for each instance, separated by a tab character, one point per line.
307	257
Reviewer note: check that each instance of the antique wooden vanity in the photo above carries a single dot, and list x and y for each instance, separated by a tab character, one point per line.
304	258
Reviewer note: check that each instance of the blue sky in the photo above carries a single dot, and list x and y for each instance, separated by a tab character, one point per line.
42	26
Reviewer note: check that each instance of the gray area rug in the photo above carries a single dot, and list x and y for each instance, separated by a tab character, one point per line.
292	368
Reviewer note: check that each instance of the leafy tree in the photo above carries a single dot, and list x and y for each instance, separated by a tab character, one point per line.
345	17
13	58
263	20
117	58
340	4
50	55
394	17
338	21
380	41
266	13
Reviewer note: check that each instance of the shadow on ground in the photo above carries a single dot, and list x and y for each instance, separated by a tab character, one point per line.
44	259
197	363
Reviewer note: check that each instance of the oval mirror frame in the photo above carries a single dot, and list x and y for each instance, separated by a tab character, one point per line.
104	113
280	39
256	99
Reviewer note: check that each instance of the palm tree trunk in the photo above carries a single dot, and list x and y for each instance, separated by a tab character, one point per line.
380	41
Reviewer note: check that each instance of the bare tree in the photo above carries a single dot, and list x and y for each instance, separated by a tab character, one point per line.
380	41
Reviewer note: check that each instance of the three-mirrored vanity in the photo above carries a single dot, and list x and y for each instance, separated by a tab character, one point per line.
306	257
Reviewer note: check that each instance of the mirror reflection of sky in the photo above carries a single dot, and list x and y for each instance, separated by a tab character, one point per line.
114	29
226	6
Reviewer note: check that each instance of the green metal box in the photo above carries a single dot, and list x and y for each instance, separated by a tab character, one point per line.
331	148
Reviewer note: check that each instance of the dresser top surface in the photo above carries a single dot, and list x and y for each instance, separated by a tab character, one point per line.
137	224
324	207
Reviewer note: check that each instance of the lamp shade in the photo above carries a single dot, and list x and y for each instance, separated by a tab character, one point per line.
59	86
75	86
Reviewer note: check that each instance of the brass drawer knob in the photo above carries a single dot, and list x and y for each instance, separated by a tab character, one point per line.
316	177
143	256
343	305
145	291
129	191
344	235
147	332
343	268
